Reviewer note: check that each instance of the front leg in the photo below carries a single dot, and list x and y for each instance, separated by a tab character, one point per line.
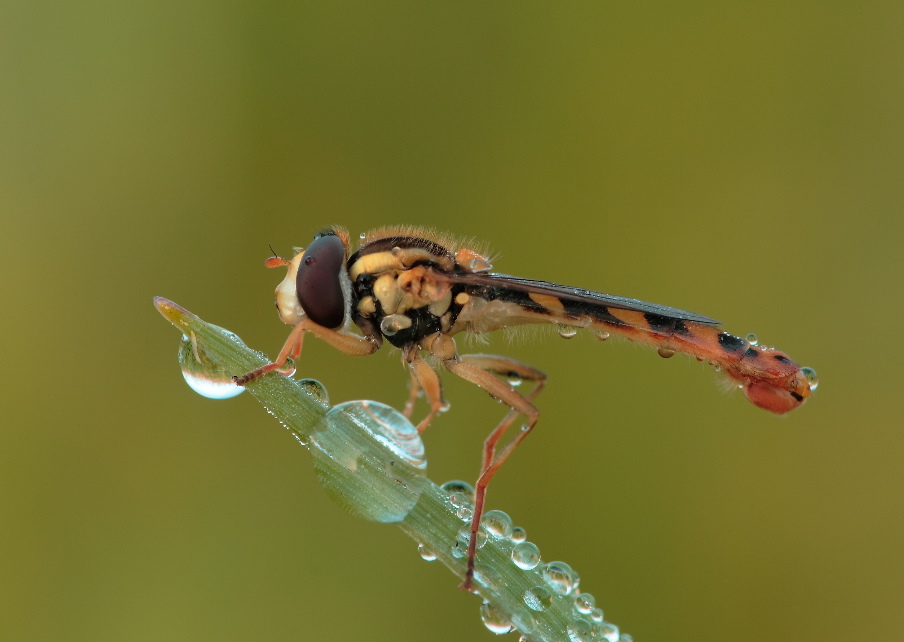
342	340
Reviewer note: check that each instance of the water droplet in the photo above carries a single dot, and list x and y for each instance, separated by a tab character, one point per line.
426	554
463	538
538	598
460	493
497	523
315	389
518	534
602	335
560	578
752	339
609	632
465	512
811	377
514	379
579	631
362	236
584	603
457	486
625	637
287	369
665	353
596	615
526	555
370	459
496	620
394	323
567	332
202	374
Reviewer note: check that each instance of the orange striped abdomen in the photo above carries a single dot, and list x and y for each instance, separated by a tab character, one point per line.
769	378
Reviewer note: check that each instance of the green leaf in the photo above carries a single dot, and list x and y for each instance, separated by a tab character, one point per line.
369	459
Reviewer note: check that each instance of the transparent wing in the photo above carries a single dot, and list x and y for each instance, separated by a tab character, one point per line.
580	296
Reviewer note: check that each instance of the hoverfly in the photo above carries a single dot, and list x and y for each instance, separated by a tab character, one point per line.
417	290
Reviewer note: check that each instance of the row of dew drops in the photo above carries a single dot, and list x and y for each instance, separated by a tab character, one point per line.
560	581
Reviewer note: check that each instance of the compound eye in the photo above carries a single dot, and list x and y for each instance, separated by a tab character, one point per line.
317	282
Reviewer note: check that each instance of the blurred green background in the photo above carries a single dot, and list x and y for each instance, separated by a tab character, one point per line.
744	161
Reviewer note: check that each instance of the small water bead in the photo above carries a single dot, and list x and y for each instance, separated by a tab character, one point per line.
560	578
426	554
524	620
811	376
596	615
457	488
394	323
315	389
526	555
602	335
518	534
464	538
584	603
665	353
287	369
496	620
498	524
465	512
202	374
514	379
538	598
567	332
609	632
625	637
752	339
579	631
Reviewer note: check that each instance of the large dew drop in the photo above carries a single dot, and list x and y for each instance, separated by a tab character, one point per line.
370	459
202	374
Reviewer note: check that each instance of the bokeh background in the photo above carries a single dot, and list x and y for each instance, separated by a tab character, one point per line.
742	160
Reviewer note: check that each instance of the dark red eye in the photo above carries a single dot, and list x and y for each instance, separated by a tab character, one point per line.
317	283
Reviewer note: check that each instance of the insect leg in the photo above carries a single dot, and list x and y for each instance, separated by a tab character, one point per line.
519	405
414	390
425	377
344	341
509	368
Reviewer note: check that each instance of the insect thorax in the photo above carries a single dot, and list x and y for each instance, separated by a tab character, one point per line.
403	294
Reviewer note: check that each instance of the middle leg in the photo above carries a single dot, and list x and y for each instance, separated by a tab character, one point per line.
481	370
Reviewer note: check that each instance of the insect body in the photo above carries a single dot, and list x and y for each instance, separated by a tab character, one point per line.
415	291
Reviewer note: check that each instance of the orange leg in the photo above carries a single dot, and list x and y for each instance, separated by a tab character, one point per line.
346	342
480	370
508	368
423	376
413	393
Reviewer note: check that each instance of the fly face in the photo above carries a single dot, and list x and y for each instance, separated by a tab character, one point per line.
316	285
